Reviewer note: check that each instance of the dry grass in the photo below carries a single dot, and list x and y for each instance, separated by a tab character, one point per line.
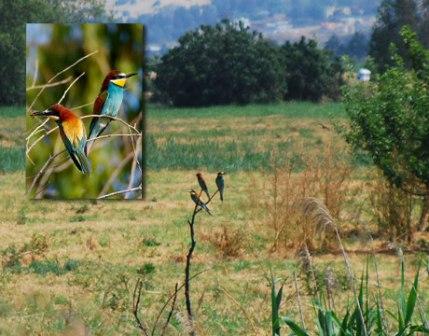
327	176
114	243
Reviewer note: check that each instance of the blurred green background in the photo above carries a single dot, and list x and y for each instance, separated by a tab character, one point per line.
52	48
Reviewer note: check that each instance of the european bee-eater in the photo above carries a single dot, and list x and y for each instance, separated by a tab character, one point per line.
220	183
108	101
72	131
203	184
197	200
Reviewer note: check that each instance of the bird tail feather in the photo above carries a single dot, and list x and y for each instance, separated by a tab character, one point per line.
85	165
95	129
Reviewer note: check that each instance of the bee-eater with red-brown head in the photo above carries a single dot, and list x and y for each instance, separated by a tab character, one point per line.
72	131
197	200
108	101
203	184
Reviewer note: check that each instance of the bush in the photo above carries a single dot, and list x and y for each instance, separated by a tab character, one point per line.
220	64
311	73
389	120
229	242
393	210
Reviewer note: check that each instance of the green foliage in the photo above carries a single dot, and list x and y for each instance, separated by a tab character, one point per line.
276	299
45	267
147	269
232	149
368	317
104	240
392	16
151	242
355	47
389	119
220	64
70	265
11	159
311	73
14	15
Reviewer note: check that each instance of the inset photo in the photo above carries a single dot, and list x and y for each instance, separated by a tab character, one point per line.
85	111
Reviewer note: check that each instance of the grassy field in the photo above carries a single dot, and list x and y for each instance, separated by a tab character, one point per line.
69	268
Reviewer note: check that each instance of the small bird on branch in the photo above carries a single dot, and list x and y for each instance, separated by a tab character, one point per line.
220	183
72	131
108	101
197	200
203	185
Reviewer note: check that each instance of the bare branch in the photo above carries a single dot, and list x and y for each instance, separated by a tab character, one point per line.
34	87
43	170
36	71
135	162
136	302
56	75
115	174
69	87
80	106
84	117
170	298
120	192
112	118
188	272
40	127
173	308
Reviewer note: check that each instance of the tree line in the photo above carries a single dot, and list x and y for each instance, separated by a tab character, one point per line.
227	63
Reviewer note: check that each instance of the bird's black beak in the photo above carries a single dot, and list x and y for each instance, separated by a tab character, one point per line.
130	75
44	113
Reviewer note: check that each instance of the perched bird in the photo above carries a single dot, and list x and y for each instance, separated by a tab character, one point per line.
72	131
220	183
108	101
203	184
197	200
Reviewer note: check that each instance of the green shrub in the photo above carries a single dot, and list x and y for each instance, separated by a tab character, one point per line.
70	265
45	267
146	269
367	316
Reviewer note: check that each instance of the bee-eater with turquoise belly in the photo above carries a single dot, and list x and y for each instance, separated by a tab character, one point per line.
108	101
72	131
220	183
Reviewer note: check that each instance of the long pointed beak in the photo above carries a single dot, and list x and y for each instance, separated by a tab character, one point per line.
42	113
130	74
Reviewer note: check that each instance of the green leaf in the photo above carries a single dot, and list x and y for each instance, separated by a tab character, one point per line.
295	328
412	297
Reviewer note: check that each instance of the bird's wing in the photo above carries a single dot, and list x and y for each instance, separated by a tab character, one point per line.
98	107
70	149
99	102
81	154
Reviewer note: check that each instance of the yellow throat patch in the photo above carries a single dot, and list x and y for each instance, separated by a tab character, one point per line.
120	81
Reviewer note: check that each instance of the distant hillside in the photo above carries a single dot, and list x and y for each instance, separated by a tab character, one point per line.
279	20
